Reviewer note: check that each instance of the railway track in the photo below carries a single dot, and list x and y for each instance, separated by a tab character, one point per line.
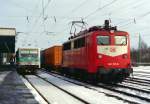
141	75
142	72
138	95
123	90
82	100
136	85
138	82
36	90
79	100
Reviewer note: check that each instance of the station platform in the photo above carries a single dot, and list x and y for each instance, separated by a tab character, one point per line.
13	89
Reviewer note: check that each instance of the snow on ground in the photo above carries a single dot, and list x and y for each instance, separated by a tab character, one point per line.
91	96
34	92
102	90
51	93
3	74
135	85
142	68
134	92
142	72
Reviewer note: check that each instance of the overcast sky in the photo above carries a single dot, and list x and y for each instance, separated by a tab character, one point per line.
44	29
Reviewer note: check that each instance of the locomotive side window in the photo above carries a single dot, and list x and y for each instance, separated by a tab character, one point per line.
120	40
79	43
103	40
76	44
67	46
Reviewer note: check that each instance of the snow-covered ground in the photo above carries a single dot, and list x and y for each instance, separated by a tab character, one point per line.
51	93
3	74
36	95
142	68
91	96
142	72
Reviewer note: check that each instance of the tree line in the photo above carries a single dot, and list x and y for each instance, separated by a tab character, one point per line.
141	54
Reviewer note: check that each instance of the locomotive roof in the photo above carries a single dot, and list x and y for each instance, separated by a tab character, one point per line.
83	34
105	28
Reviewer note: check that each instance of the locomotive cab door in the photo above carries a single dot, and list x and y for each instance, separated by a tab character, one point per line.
91	53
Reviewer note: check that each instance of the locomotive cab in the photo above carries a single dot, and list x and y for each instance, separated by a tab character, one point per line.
113	54
99	52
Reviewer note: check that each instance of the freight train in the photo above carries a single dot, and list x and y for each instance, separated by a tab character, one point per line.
28	60
51	58
101	53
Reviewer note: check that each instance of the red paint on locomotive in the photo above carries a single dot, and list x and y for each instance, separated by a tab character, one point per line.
100	52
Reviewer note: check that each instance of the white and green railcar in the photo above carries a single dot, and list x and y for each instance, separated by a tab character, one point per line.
28	60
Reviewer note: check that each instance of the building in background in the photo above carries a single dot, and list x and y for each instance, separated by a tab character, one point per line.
7	45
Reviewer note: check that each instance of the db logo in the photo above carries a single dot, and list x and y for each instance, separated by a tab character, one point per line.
112	49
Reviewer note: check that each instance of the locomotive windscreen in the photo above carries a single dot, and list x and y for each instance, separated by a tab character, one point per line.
103	40
120	40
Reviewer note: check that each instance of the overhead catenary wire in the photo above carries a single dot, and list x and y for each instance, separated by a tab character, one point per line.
19	6
124	22
128	21
70	12
123	7
135	19
73	10
41	14
126	6
98	9
78	7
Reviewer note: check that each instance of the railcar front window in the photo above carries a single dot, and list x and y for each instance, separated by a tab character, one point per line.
103	40
120	40
29	55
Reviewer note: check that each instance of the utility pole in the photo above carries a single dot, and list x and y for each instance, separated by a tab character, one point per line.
139	48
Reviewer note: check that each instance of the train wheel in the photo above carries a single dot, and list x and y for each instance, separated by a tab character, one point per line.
93	79
84	76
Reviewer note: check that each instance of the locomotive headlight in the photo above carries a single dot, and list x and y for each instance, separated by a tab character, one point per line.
99	56
111	31
125	56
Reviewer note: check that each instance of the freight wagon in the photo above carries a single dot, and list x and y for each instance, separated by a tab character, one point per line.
27	60
51	58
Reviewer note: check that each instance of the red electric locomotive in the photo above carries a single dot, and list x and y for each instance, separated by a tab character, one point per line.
99	53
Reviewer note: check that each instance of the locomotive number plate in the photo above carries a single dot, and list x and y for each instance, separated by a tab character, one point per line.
114	63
